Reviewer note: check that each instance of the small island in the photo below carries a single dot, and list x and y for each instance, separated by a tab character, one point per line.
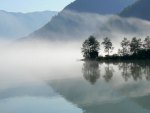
134	49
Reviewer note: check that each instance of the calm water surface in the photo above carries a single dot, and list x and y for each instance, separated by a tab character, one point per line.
77	87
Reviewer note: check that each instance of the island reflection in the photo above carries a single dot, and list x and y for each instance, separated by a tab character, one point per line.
108	87
91	71
136	70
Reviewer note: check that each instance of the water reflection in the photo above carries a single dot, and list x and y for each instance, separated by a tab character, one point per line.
91	87
115	87
136	70
108	73
125	67
91	71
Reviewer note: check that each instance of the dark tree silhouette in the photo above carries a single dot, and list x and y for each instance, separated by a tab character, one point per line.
146	43
125	44
107	45
135	45
130	50
90	48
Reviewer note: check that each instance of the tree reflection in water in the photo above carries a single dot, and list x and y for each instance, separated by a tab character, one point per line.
147	72
136	70
125	67
108	73
91	71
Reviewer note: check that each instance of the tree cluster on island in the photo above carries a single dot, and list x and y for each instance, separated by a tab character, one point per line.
130	49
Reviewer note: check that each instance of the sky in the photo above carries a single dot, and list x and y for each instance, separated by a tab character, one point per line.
33	5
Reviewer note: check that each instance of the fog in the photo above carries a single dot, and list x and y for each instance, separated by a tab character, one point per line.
48	70
73	26
45	58
69	25
33	63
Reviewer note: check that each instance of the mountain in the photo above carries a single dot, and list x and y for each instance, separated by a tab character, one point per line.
78	26
15	25
68	22
139	9
99	6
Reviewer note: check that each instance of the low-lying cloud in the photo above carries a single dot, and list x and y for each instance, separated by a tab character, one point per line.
70	25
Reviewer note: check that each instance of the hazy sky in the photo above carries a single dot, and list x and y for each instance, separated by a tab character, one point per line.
33	5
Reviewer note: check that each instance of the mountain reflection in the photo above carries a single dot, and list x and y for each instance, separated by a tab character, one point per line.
113	88
136	70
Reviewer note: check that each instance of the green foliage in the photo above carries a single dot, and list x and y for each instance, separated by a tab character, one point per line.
146	43
90	48
125	44
130	50
135	45
107	45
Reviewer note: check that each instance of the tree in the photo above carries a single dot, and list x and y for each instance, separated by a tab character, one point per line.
146	44
90	48
125	44
120	52
107	45
135	45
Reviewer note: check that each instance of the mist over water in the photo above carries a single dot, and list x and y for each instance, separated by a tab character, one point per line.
48	76
25	67
43	57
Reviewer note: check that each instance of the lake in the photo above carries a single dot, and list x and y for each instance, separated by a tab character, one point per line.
36	84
